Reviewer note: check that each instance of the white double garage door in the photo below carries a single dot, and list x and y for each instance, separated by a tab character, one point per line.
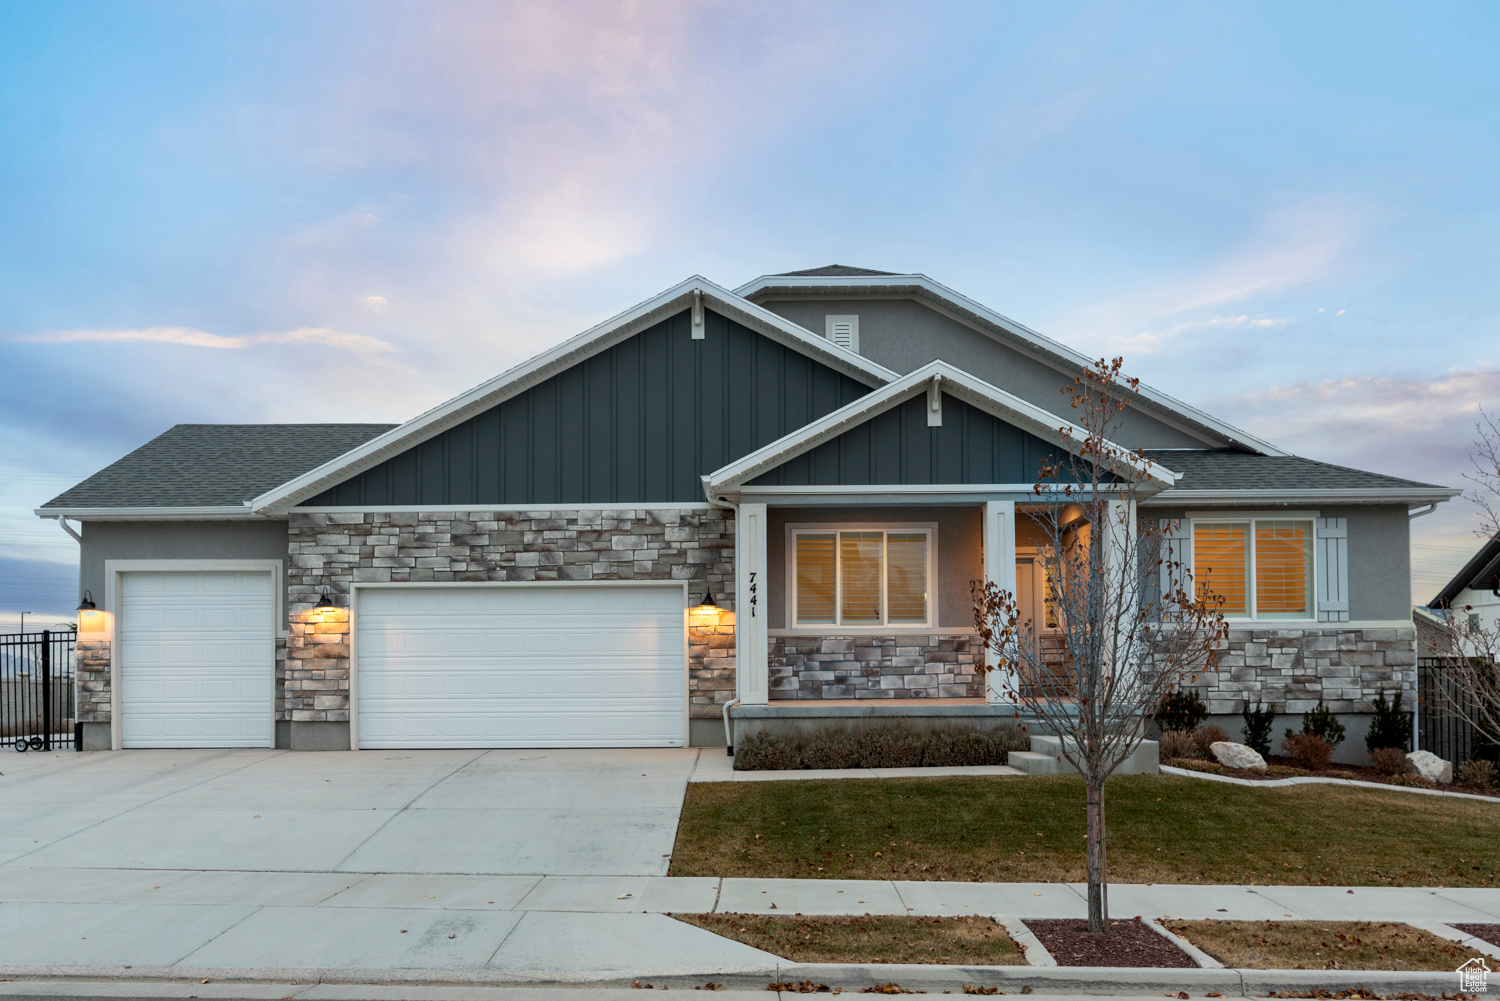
546	665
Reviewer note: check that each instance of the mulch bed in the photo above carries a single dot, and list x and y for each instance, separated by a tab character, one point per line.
1126	943
1485	933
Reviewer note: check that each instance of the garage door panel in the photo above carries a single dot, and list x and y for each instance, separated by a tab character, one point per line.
521	666
197	659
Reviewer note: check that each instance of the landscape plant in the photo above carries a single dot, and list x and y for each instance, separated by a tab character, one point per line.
1206	737
1177	744
1307	749
1258	723
1181	710
1390	726
1131	628
893	745
1389	761
1476	773
1320	722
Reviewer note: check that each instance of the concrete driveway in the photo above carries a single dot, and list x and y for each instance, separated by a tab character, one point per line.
497	812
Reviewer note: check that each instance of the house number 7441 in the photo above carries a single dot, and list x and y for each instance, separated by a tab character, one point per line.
754	597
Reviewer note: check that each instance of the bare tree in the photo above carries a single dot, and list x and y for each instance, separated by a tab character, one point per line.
1124	626
1472	689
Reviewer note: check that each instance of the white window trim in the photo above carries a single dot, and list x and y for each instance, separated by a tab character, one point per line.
833	628
1251	517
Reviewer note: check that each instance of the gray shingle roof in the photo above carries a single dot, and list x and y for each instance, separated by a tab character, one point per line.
831	271
1227	469
214	465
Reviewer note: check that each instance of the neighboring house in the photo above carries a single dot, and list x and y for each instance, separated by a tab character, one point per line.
1472	597
831	455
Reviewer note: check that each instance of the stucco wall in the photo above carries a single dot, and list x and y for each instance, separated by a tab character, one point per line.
904	335
176	540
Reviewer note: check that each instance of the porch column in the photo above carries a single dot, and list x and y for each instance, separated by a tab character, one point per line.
1122	536
999	567
751	656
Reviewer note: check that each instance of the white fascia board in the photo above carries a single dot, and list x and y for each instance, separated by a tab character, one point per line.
957	383
238	512
1045	347
1343	495
565	355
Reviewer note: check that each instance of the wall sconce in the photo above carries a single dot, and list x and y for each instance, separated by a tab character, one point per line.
90	619
325	603
708	605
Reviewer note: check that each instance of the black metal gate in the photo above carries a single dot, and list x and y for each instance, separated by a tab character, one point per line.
36	691
1443	705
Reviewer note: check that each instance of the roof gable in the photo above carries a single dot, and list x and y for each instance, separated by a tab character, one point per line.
1002	328
639	422
1026	433
695	293
1481	573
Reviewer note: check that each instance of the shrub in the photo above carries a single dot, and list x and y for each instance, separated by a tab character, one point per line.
1319	722
1410	779
1182	710
1205	738
897	745
1177	744
1389	761
1307	749
1476	773
1258	723
1390	727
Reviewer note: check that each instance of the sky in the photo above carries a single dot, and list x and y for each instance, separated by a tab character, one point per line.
1282	213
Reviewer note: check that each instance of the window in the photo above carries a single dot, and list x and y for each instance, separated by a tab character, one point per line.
864	577
1263	569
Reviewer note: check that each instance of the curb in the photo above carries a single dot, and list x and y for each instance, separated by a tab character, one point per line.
1197	955
1306	780
848	977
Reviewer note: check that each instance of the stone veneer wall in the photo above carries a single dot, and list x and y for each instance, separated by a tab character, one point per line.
874	667
91	680
1294	668
334	550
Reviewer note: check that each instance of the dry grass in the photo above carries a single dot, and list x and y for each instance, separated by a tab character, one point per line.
1162	830
978	941
1322	945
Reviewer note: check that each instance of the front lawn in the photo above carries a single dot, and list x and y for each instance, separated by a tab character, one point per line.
1162	830
966	941
1322	945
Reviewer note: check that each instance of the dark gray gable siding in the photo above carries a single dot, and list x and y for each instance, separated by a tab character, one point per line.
897	447
637	423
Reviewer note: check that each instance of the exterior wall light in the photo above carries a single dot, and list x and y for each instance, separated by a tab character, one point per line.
708	604
90	619
325	602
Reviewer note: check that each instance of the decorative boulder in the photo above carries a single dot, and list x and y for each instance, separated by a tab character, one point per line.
1431	767
1237	756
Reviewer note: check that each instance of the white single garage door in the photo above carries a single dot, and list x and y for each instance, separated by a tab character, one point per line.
197	659
521	666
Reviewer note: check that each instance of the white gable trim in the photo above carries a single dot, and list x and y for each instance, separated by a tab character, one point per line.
955	382
1041	347
684	295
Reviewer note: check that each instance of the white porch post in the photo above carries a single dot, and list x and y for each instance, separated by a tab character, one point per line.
999	567
1121	534
751	656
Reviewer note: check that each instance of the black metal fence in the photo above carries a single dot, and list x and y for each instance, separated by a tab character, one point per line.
1443	705
36	691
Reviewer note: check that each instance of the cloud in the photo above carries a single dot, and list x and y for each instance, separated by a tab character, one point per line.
189	337
1295	245
1148	342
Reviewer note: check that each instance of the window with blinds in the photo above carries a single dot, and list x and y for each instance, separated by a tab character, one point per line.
861	577
1262	568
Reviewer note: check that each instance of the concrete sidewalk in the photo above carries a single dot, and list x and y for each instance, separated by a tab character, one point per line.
549	927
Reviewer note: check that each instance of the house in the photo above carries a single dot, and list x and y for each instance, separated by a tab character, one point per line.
772	498
1471	600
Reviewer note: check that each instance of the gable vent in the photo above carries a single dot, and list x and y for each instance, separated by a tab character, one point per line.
843	331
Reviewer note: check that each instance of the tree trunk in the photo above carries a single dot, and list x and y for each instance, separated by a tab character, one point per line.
1098	913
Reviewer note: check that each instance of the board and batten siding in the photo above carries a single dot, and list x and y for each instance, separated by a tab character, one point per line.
897	447
637	423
